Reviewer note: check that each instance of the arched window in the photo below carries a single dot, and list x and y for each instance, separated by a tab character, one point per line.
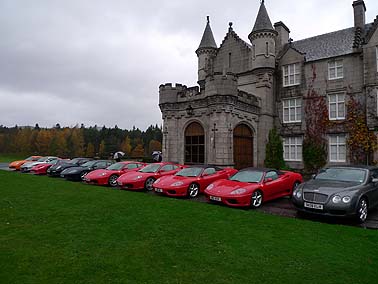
194	144
267	49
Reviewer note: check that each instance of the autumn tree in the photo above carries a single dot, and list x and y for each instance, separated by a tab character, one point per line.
101	150
126	146
138	151
43	141
361	142
90	151
154	145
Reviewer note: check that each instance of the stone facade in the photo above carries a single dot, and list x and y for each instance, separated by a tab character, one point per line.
246	89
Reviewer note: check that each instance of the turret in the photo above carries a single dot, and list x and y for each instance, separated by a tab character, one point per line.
262	39
206	52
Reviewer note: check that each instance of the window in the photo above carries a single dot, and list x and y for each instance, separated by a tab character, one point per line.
291	74
229	60
167	168
292	110
336	106
337	148
267	49
272	174
335	69
194	144
376	56
293	148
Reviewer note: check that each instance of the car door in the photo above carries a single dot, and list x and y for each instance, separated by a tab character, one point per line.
208	176
373	192
167	170
272	185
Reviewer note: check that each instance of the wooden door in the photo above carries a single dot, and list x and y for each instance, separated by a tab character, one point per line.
243	147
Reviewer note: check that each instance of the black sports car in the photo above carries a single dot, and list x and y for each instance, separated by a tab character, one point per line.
339	191
78	173
55	170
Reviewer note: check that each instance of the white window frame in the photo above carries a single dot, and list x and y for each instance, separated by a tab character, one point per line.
289	106
340	100
296	143
338	144
291	72
336	65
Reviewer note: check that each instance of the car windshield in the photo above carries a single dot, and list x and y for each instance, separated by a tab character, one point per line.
89	164
342	174
150	168
116	167
190	172
247	176
74	161
42	159
29	158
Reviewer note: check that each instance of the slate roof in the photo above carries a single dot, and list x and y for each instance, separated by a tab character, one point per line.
207	38
328	45
262	20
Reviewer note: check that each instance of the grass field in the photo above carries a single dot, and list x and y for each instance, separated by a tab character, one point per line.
7	158
54	231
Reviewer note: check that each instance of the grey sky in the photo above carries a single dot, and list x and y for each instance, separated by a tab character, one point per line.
101	62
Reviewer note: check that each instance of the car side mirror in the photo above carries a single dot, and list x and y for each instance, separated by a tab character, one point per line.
268	180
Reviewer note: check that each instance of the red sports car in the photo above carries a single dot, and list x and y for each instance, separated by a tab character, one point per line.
191	181
252	187
41	169
145	177
109	175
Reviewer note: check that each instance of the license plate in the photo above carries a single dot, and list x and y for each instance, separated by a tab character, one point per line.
215	198
158	190
313	206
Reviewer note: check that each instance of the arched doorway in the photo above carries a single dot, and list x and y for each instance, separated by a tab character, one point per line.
243	147
194	144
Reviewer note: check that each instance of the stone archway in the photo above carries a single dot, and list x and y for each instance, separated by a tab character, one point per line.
194	144
243	146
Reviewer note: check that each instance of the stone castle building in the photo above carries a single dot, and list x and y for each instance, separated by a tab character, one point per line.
246	88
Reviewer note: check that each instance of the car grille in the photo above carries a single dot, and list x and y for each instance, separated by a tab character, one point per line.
315	197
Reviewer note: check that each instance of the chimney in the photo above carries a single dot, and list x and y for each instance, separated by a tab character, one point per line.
283	35
359	10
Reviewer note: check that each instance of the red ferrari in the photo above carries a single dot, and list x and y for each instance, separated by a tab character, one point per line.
145	177
109	175
252	187
191	181
41	169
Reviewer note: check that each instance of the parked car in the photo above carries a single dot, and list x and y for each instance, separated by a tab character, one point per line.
339	191
55	171
41	169
26	167
252	187
145	177
17	164
191	181
78	173
109	175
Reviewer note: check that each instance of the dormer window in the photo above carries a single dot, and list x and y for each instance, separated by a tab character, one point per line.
291	74
335	69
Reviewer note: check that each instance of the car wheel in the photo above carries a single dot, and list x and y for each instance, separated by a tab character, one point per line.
362	210
295	185
148	184
83	174
193	190
256	199
113	180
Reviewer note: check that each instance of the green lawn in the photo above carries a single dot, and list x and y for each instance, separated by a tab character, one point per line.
53	231
7	158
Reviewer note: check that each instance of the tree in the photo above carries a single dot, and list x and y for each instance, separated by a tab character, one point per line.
90	152
126	146
154	146
43	141
138	151
101	150
274	151
76	142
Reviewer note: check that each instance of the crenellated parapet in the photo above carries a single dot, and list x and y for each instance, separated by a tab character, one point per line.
173	94
220	84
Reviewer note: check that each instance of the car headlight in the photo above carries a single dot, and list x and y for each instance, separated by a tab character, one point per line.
346	199
238	191
336	199
58	167
138	177
297	193
210	186
177	183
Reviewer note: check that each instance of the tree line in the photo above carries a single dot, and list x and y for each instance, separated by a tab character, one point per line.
80	141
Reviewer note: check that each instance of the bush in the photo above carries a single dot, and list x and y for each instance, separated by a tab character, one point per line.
274	151
314	155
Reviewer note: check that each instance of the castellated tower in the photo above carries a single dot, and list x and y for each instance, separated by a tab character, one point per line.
206	53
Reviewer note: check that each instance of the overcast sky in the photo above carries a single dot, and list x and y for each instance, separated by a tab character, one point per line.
101	62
